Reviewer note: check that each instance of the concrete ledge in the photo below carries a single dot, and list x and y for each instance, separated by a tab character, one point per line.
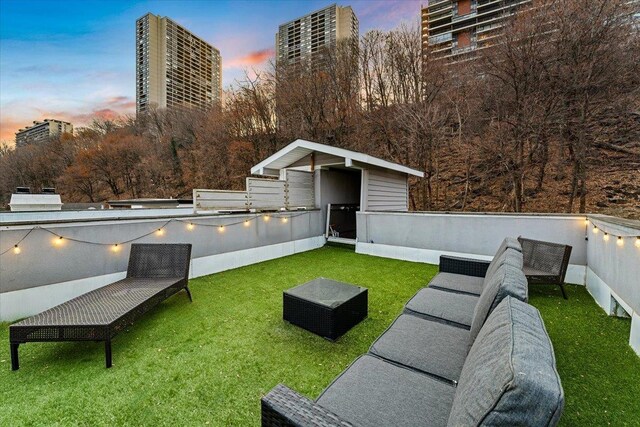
575	273
634	338
27	302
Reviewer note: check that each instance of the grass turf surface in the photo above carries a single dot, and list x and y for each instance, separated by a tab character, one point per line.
209	362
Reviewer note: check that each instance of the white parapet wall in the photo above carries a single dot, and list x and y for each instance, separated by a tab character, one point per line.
48	270
608	267
613	269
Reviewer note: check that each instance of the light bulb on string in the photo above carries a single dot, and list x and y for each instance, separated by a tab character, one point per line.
59	241
221	228
115	248
284	220
638	242
595	230
606	237
266	218
620	241
160	232
16	249
190	226
586	221
247	223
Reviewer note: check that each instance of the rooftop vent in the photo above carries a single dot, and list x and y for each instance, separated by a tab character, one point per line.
48	190
23	190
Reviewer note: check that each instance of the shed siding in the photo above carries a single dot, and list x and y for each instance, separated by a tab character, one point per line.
385	191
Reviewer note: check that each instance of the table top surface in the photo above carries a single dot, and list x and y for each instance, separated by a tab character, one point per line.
326	292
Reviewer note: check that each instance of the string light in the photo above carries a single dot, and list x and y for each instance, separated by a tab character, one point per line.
606	237
59	240
620	241
638	242
586	221
595	230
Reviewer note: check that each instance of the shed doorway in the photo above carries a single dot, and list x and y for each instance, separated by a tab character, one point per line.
340	190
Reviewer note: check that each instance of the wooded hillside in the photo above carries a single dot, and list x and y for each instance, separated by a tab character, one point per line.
546	120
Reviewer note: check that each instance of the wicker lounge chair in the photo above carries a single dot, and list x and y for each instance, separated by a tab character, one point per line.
545	262
155	272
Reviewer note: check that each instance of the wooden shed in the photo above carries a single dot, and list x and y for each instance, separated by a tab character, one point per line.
343	182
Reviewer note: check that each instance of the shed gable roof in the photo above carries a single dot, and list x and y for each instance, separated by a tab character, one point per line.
301	148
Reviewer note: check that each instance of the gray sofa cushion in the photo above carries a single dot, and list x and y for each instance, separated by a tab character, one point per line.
509	252
431	347
506	281
374	392
510	256
449	307
457	282
509	377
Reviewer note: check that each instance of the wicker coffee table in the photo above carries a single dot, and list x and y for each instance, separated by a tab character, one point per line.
325	307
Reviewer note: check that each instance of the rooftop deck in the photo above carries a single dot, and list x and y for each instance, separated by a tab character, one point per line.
210	362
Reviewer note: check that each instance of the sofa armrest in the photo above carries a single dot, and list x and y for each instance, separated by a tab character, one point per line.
464	266
284	407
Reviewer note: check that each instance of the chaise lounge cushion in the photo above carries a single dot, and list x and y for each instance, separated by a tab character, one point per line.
507	281
509	377
373	392
431	347
447	307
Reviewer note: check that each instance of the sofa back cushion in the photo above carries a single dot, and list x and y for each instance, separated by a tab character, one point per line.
509	376
499	257
507	280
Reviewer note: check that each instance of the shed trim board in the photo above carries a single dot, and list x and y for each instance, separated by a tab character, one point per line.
300	148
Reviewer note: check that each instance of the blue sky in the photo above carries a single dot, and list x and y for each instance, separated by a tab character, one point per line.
74	60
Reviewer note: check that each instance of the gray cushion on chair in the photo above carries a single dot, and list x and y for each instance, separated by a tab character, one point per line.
373	392
446	306
457	282
431	347
509	377
506	281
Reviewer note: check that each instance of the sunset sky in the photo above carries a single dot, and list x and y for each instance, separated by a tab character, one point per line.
74	60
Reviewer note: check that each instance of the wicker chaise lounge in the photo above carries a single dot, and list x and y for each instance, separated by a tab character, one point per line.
155	272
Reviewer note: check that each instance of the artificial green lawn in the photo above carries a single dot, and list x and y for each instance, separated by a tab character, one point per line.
208	362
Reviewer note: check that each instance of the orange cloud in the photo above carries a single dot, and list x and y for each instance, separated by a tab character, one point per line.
252	59
24	114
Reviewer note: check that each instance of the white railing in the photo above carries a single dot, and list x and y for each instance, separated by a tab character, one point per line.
220	200
300	191
296	191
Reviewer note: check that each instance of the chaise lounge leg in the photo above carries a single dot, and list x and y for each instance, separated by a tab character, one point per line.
186	288
15	363
564	295
107	353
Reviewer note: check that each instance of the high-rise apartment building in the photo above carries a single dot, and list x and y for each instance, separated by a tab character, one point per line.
174	68
41	132
453	28
308	36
